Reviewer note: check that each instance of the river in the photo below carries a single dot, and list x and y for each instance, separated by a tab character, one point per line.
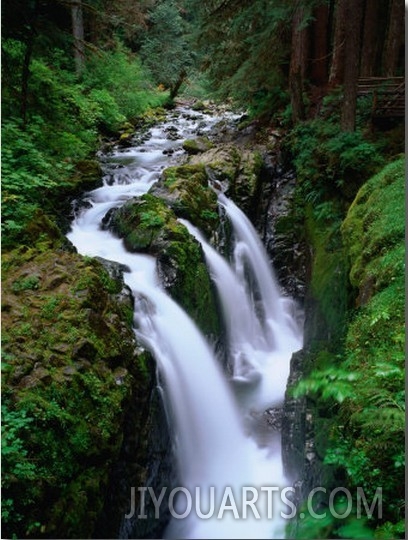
229	461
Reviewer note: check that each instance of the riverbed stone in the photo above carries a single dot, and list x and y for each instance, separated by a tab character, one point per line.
197	146
148	225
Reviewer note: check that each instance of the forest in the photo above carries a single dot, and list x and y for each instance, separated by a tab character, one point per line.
323	79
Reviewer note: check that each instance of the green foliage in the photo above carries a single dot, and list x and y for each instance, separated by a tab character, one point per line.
119	84
329	162
30	282
331	383
166	51
63	119
366	380
243	47
328	526
27	173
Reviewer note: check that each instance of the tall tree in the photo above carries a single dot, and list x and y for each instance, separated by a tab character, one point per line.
78	34
166	50
394	39
320	27
354	14
370	38
298	61
30	38
339	40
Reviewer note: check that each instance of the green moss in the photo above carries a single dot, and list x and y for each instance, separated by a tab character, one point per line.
148	225
143	222
191	197
245	187
65	340
329	277
196	146
375	227
175	177
367	428
192	288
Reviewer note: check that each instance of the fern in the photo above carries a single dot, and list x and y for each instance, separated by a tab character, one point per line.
331	383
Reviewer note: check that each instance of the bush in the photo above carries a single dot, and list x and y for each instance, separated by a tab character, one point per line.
329	162
365	378
64	117
117	80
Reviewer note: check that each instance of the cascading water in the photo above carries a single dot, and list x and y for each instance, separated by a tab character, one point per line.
216	448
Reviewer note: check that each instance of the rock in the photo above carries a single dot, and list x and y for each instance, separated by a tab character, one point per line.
147	225
73	373
185	189
199	106
197	146
221	162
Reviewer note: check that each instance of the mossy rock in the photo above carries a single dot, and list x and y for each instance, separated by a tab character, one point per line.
43	233
184	273
197	146
69	370
238	170
329	289
199	106
246	184
221	162
185	189
145	223
374	229
88	174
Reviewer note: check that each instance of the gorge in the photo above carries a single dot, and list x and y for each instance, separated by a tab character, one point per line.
221	439
141	219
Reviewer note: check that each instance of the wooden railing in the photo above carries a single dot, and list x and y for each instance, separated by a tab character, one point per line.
388	95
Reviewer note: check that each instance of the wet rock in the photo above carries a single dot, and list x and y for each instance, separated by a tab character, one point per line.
186	191
294	421
280	228
274	418
65	354
221	162
148	225
197	146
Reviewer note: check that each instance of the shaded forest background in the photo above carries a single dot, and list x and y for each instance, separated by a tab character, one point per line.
76	74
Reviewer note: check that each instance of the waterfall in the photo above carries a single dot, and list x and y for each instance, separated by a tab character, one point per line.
280	323
218	441
243	326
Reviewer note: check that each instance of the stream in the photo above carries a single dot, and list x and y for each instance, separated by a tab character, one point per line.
229	459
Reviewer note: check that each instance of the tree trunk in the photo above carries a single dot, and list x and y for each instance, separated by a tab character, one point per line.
298	63
176	87
394	39
370	38
338	54
25	75
78	35
319	64
354	14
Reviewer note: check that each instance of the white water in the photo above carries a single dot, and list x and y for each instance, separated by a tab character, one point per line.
218	444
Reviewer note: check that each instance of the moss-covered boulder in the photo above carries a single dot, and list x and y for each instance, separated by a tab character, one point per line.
238	170
145	223
148	225
197	146
374	235
354	366
185	188
221	162
69	368
374	231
